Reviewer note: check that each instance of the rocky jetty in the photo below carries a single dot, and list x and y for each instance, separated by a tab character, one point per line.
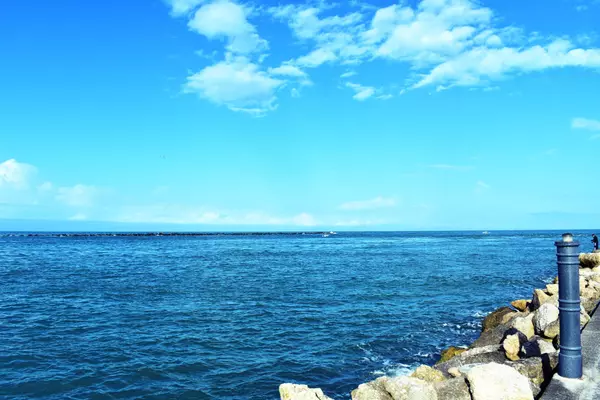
513	358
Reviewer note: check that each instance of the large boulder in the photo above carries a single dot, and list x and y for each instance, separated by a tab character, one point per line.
290	391
544	316
589	293
428	374
498	382
398	388
496	318
495	335
538	370
552	330
512	344
453	389
589	260
520	305
478	355
536	347
524	325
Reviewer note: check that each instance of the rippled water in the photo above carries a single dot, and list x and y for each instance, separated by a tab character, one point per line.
232	317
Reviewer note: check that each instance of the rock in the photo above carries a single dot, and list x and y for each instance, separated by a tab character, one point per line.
512	345
584	318
539	298
478	355
555	280
453	389
556	342
588	293
495	318
536	347
593	285
398	388
449	353
373	390
520	305
454	372
544	316
589	260
524	325
552	289
582	284
596	270
290	391
428	374
589	305
538	370
552	330
498	382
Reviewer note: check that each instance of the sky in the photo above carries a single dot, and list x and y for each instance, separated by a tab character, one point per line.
239	115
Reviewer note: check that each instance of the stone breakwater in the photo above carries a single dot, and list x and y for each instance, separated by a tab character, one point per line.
514	358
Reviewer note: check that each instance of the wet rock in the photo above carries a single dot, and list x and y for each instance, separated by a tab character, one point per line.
512	345
449	353
495	318
498	382
453	389
290	391
552	330
520	305
544	316
589	260
428	374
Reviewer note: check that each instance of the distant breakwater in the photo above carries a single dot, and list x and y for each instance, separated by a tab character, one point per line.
514	358
153	234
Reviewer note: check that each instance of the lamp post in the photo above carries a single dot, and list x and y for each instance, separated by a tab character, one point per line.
569	358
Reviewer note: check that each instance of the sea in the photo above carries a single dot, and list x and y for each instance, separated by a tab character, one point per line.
229	316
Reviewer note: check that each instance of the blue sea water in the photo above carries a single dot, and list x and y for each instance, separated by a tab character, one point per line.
232	317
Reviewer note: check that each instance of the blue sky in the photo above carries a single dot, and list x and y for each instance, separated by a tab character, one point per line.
223	114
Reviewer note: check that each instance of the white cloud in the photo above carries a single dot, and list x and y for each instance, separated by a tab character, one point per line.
362	92
483	185
316	58
236	83
584	123
480	65
15	174
77	196
347	74
182	7
377	202
46	187
224	18
287	70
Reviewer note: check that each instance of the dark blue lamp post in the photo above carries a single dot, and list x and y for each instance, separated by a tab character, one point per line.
569	358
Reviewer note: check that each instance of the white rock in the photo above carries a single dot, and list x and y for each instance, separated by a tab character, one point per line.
544	316
498	382
290	391
398	388
524	325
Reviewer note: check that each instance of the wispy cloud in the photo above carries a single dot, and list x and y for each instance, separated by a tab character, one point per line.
377	202
584	123
16	174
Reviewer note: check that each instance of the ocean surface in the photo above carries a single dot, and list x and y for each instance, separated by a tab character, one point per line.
232	317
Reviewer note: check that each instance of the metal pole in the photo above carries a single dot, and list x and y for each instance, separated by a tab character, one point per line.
569	358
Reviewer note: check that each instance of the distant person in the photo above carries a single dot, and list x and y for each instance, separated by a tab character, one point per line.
595	241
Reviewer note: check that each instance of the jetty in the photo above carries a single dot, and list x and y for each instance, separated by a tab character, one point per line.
517	354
